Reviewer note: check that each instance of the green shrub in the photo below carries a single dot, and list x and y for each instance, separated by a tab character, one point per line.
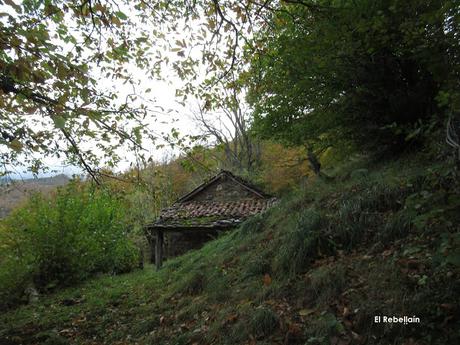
62	240
14	273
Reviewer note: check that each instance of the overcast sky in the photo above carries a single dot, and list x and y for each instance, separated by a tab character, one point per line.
169	113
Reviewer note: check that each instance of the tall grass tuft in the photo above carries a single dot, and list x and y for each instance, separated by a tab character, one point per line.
302	244
263	322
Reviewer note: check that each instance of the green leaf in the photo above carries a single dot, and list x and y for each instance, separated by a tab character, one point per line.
121	15
59	122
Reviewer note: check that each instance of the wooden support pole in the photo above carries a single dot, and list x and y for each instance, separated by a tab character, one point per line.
159	249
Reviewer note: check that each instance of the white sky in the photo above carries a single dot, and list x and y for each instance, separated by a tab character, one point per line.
175	116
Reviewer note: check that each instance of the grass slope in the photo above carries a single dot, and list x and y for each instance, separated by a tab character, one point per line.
315	269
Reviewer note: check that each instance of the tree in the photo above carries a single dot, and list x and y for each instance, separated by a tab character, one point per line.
229	128
370	71
319	69
54	52
50	100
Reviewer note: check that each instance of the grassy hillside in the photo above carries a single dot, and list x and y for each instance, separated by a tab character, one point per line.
315	269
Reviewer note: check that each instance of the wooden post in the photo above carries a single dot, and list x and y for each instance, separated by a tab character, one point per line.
159	249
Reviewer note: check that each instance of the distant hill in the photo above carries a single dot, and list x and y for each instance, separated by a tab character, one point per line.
15	192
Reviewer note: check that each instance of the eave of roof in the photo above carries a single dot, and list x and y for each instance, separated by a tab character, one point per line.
197	224
199	214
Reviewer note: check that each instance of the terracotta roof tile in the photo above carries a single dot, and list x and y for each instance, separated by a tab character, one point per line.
212	213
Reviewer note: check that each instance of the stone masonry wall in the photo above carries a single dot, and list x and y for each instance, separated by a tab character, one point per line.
224	189
179	242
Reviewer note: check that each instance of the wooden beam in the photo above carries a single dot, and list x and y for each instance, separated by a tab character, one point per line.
159	248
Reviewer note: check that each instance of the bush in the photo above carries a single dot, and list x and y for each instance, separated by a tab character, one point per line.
62	240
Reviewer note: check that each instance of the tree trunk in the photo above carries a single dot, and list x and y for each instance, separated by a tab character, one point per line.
314	163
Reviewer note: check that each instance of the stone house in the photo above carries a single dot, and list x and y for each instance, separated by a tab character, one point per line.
219	204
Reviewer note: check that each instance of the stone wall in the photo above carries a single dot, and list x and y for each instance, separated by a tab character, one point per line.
224	189
179	242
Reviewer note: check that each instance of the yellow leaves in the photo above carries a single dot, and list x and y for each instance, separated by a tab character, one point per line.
62	71
99	8
283	167
51	9
211	24
179	52
305	312
16	145
280	21
85	11
115	21
15	42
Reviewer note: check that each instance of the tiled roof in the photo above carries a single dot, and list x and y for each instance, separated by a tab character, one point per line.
211	213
